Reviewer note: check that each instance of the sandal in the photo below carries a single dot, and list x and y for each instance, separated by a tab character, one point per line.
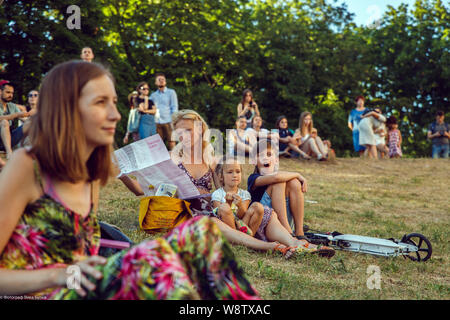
300	237
322	251
284	250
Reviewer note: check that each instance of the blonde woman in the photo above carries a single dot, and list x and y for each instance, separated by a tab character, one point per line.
193	154
307	140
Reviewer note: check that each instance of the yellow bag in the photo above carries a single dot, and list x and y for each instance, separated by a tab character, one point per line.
161	214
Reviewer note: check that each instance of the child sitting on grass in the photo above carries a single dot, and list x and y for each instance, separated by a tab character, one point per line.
287	142
231	203
281	190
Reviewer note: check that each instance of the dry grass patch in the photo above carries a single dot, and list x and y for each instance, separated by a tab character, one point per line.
386	198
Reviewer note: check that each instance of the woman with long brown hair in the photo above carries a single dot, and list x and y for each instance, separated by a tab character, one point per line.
248	107
147	109
49	231
307	138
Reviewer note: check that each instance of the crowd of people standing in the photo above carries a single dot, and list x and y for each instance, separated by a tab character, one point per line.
376	136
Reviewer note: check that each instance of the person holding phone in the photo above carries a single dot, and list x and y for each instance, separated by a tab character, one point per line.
247	107
439	134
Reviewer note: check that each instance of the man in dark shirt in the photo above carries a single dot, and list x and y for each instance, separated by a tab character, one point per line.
439	134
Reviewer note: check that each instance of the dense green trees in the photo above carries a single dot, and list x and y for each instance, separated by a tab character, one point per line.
295	56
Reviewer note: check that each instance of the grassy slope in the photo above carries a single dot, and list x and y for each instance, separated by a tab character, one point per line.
386	198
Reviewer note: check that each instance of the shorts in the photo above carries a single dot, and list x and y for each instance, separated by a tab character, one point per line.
16	136
261	232
267	201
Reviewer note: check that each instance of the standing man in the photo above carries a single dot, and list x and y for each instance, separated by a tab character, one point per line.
8	112
166	102
87	54
439	134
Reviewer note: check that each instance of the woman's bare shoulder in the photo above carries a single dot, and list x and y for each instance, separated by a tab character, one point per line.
18	175
22	159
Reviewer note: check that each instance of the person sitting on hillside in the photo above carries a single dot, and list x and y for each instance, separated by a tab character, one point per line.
240	140
288	145
308	141
257	130
10	111
32	101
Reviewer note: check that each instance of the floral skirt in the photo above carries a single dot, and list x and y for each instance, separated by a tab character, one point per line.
193	261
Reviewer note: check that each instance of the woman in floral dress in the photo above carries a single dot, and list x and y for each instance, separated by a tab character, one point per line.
49	231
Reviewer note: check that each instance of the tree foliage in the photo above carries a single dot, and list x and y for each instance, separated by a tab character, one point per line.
294	55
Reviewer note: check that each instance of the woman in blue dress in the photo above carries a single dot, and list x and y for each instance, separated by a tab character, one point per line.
353	121
147	125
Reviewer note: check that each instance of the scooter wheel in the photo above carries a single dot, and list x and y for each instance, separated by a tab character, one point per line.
422	243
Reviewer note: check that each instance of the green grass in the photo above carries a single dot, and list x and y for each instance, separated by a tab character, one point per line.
386	198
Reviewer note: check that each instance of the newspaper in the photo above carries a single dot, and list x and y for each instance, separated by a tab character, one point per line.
149	161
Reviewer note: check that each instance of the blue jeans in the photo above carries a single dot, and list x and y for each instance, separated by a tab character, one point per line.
147	126
267	201
439	151
16	136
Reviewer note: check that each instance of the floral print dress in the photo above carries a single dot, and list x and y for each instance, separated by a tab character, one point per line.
201	206
193	261
394	139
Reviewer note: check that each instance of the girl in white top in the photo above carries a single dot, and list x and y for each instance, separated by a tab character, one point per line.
231	203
